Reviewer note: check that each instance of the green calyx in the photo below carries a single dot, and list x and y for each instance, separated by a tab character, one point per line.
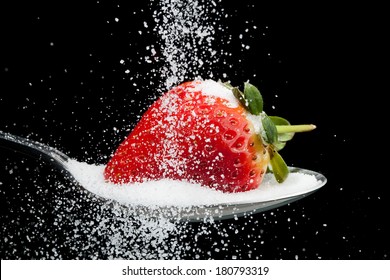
250	99
276	130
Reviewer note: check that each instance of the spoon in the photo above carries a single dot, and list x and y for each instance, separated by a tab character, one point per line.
36	150
193	213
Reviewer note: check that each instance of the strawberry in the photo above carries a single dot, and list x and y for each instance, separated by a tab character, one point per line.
201	132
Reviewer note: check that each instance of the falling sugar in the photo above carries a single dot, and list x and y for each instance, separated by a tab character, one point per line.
187	39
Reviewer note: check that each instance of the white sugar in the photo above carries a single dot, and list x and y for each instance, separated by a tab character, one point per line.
182	194
256	121
215	89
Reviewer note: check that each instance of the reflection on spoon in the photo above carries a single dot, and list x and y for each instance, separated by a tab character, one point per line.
175	199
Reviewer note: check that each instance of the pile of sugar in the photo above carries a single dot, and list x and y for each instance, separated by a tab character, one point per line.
212	88
178	193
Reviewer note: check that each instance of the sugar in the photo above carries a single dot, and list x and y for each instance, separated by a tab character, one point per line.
186	39
180	193
215	89
256	121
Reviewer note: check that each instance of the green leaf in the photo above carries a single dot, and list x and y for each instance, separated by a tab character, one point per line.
279	145
253	98
240	96
270	129
278	121
226	84
279	166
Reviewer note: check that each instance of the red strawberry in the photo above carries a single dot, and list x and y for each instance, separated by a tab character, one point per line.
194	135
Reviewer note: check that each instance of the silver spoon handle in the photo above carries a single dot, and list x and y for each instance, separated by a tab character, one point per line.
33	149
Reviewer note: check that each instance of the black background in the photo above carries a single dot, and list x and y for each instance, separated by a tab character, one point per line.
62	84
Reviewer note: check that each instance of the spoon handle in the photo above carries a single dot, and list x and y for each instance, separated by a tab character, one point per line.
33	149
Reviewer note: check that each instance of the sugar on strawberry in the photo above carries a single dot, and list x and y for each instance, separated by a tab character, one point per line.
208	133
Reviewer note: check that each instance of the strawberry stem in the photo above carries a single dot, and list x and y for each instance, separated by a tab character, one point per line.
295	128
